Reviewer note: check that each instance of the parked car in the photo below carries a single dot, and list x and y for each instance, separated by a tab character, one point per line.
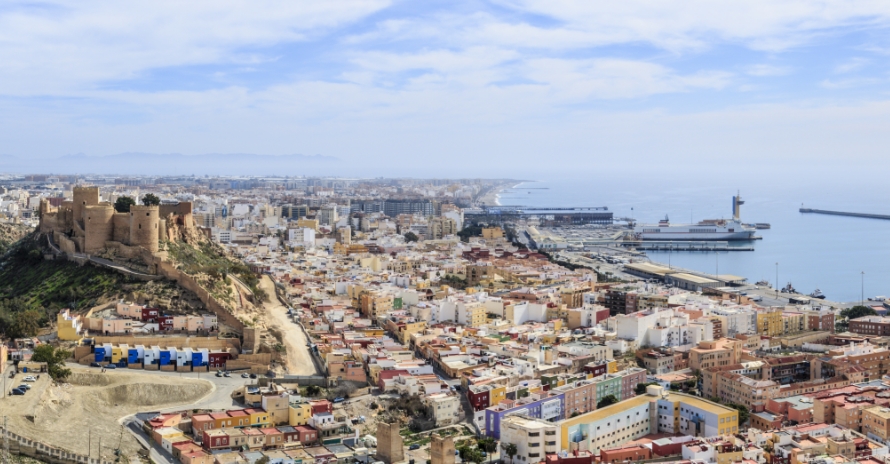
219	373
95	364
252	376
339	400
30	378
111	366
227	374
17	391
245	375
414	447
24	386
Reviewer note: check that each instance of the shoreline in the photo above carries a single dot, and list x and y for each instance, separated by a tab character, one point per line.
493	198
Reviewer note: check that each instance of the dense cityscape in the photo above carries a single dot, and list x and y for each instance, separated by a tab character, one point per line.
300	320
444	232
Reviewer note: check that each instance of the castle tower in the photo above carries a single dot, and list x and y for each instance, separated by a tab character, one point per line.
98	222
389	443
441	450
144	224
83	197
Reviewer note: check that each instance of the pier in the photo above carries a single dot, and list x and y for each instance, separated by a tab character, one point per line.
844	213
650	245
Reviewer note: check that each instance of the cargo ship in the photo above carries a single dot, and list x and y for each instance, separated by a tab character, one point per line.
709	229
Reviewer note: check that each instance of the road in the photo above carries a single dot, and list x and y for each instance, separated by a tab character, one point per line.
219	398
299	361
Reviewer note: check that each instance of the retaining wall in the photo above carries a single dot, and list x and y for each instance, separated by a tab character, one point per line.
46	453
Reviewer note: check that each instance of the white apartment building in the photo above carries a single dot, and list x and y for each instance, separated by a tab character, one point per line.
534	438
656	327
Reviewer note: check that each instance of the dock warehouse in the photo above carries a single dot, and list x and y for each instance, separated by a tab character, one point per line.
691	282
648	270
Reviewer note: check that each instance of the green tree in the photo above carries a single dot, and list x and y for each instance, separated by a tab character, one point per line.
640	389
487	444
606	401
263	460
55	360
411	237
743	412
510	450
858	311
24	324
151	199
472	455
843	322
123	204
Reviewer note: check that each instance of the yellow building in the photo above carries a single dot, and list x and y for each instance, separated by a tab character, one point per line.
308	223
441	227
489	233
116	354
258	417
69	326
612	367
299	414
659	411
770	323
496	395
373	303
477	316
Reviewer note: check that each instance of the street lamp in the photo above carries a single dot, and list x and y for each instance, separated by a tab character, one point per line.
862	290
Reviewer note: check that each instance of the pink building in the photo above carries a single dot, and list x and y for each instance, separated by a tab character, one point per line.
130	310
632	377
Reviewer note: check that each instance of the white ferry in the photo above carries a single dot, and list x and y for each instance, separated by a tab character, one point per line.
710	229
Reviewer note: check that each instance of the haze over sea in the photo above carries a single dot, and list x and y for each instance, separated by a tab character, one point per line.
813	251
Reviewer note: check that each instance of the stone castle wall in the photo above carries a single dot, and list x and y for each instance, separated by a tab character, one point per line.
98	226
144	223
83	197
121	227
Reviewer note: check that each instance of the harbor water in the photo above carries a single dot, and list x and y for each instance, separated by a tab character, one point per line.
812	251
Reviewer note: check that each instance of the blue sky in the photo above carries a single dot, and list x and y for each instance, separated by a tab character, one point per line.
436	84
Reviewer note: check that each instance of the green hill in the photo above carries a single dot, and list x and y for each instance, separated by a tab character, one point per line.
33	290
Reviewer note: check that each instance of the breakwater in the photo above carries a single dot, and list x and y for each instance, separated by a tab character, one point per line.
844	213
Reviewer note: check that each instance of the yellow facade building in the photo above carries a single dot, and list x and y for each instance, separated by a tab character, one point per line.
299	414
770	322
69	327
659	411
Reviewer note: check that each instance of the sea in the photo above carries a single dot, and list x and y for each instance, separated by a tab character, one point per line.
847	258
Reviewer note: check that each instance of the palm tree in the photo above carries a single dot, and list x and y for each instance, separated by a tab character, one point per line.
510	450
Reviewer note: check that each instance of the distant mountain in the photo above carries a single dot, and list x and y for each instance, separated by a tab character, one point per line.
173	164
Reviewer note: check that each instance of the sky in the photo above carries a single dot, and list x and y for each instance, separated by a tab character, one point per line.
457	86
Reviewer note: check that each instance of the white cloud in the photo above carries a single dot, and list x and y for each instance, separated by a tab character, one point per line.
759	24
851	65
575	80
58	47
767	70
835	84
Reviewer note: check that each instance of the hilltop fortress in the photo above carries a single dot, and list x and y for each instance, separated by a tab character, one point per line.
86	225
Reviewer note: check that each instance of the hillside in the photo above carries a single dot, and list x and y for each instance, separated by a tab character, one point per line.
11	233
34	288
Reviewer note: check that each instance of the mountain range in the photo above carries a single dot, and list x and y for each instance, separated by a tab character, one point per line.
173	164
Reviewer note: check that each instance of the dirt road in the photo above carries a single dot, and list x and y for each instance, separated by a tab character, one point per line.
299	361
